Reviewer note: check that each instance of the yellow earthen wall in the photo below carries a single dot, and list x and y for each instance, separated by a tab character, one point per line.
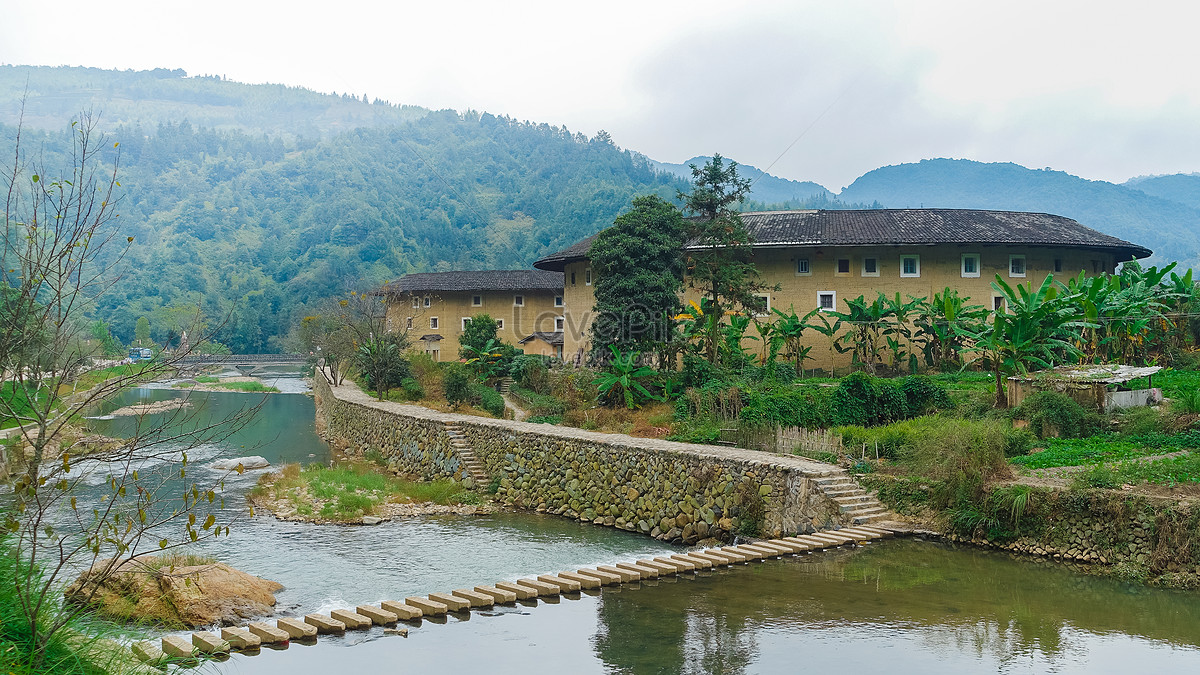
537	314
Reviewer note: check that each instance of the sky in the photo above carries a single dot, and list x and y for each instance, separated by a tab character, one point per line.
821	91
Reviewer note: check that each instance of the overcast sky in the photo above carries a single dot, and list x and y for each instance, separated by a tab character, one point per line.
1104	90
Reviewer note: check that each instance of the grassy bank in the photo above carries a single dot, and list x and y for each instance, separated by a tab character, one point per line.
347	492
206	382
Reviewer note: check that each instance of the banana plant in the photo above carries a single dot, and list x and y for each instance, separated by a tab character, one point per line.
624	377
787	332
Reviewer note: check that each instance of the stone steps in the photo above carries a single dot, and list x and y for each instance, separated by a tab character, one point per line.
853	501
471	464
505	385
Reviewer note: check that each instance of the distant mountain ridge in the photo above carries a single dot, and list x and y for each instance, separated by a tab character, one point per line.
767	188
1182	187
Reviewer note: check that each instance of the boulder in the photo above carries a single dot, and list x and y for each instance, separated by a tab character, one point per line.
251	462
173	592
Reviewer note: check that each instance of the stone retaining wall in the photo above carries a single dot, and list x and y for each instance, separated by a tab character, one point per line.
672	491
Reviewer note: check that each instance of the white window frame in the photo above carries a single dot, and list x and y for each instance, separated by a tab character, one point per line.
1024	267
837	266
914	275
833	301
865	273
807	272
587	277
465	319
499	324
408	323
1003	303
767	308
477	301
433	323
560	323
518	301
416	302
962	266
428	302
558	301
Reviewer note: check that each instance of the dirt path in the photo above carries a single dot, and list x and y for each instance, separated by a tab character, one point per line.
519	413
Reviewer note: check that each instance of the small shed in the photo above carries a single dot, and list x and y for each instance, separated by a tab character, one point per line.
1102	387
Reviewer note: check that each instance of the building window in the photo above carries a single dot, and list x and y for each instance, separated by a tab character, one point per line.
518	301
1016	265
997	303
559	322
572	278
434	353
826	300
477	301
499	324
1058	265
408	324
802	268
416	302
558	301
870	267
970	265
428	301
762	305
587	277
843	266
433	323
910	266
465	320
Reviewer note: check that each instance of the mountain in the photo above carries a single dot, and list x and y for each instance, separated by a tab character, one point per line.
767	189
1170	228
1183	188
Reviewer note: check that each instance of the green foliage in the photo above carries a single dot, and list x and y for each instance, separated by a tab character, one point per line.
412	389
1187	402
941	325
479	335
383	363
1106	448
530	371
806	407
1050	409
625	380
639	272
489	399
866	401
457	385
962	456
923	396
141	331
539	405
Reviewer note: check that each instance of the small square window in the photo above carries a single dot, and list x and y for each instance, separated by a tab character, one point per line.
464	322
428	301
559	322
433	323
998	303
1016	265
416	302
477	301
870	267
802	267
910	266
587	277
970	265
572	278
518	301
1058	267
762	305
408	323
843	266
499	324
558	301
826	300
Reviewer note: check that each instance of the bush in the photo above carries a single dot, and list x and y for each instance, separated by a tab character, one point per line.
1141	421
1187	402
698	372
490	400
961	456
1018	442
413	391
538	405
1048	411
923	396
529	371
457	384
787	407
863	400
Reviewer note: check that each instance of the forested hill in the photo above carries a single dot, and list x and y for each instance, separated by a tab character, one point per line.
1170	228
267	225
54	95
766	189
1183	188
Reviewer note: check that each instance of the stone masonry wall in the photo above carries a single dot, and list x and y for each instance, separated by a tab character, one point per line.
672	491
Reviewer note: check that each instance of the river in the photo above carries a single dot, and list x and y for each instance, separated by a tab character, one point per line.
898	605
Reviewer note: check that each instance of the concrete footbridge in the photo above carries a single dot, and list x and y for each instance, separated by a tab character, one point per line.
247	364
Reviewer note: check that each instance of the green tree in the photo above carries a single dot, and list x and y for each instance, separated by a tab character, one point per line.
381	361
638	276
718	254
477	333
141	331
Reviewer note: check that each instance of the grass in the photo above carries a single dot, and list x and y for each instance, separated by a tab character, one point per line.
1168	471
207	379
254	387
352	490
94	377
1108	448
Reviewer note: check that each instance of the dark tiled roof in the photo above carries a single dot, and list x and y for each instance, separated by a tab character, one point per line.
432	337
548	338
484	280
904	227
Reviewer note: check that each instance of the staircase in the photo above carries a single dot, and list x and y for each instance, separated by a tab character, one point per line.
470	463
852	500
506	384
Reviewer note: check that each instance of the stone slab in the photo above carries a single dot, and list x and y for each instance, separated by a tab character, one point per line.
816	542
178	647
600	578
324	624
522	592
663	568
585	580
209	643
540	587
270	634
240	638
751	554
646	572
474	597
716	560
680	565
428	607
378	616
626	575
807	545
700	563
857	536
565	585
293	628
882	532
499	595
868	532
352	619
730	555
402	611
767	551
783	550
833	536
451	601
148	652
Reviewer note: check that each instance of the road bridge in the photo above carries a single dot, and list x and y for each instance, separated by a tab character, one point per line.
247	364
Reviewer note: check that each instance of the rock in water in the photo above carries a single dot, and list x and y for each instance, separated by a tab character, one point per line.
252	462
149	588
